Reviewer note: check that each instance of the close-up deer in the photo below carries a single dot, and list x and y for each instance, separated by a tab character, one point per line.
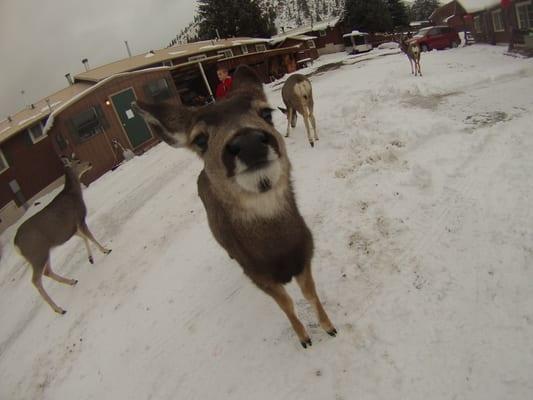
297	95
55	224
412	51
246	189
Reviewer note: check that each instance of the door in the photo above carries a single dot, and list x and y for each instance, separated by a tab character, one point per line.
133	125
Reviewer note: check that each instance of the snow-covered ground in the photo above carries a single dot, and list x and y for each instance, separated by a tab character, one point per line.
419	196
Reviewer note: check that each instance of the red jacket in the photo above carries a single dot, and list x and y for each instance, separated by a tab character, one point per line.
224	87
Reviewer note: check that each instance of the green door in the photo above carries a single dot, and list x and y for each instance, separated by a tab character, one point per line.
134	125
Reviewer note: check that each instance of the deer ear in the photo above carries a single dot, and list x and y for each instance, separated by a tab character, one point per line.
246	77
66	161
169	122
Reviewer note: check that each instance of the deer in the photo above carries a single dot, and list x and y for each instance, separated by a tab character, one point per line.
297	95
245	187
54	225
413	52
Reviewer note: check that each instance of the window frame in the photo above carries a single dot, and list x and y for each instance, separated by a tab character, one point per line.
3	159
39	138
225	53
499	15
262	46
477	24
100	128
322	33
198	57
311	44
161	94
525	5
244	49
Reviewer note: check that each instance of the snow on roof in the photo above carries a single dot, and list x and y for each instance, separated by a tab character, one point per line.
471	6
355	33
317	26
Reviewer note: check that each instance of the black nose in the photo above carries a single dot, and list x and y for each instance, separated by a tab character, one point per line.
250	145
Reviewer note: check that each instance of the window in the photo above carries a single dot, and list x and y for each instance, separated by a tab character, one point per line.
168	63
158	90
477	24
88	123
322	33
36	132
311	44
524	14
197	58
61	142
497	21
4	166
260	47
228	53
244	49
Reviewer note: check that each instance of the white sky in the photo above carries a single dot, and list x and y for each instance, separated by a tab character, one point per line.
40	41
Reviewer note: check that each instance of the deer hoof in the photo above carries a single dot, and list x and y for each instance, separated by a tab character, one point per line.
91	260
74	282
61	311
312	144
333	332
306	342
107	252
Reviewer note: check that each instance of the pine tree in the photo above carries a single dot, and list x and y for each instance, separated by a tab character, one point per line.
422	9
368	15
399	13
234	18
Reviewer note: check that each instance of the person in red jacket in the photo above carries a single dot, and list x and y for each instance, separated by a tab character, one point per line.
225	83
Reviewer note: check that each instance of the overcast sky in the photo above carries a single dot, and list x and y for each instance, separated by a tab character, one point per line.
40	41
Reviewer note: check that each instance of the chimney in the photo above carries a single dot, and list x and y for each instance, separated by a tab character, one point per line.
48	104
9	119
85	63
69	79
32	106
127	48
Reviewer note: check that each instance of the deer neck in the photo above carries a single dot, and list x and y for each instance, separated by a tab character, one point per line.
72	182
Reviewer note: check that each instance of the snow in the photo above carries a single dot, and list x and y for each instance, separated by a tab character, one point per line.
26	120
52	105
419	198
472	6
5	130
175	53
388	45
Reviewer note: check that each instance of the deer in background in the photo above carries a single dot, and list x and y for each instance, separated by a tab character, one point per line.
63	218
245	187
297	94
413	52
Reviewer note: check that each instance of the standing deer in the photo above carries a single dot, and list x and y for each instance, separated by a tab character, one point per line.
297	94
63	218
245	187
413	52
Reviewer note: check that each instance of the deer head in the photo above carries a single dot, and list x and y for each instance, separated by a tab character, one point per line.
242	151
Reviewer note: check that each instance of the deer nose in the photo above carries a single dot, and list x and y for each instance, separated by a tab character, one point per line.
250	145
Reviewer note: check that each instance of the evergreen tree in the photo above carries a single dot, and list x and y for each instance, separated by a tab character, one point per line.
399	13
368	15
422	9
234	18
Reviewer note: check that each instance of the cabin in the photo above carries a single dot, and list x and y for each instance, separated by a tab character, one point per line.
327	33
307	50
500	22
451	14
92	117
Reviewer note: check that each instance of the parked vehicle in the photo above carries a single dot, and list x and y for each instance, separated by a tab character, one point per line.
437	37
357	42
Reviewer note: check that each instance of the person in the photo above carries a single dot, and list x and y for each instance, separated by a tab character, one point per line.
225	83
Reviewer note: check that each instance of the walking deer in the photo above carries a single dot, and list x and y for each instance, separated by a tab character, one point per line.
413	52
63	218
297	94
245	187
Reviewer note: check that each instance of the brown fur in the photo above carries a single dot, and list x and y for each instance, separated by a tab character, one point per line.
297	95
260	227
54	225
412	51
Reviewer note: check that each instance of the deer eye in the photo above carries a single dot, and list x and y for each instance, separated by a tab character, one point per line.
266	114
200	141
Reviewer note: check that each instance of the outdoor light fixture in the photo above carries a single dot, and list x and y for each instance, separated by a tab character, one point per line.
107	103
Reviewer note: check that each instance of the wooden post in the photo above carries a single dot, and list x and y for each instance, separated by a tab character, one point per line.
200	66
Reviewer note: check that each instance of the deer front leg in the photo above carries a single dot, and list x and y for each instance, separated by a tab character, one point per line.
419	68
412	69
307	286
313	124
47	271
280	295
83	230
86	241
